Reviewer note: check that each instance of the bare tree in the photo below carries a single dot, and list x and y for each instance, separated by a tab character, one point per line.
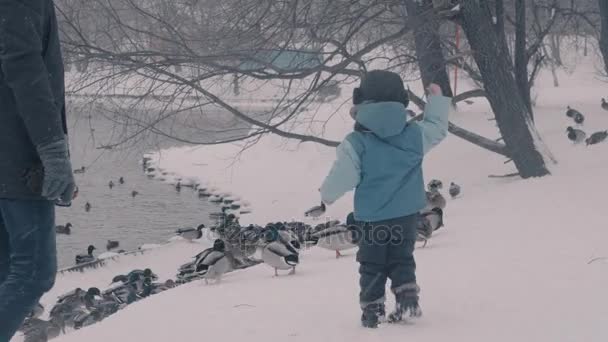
512	114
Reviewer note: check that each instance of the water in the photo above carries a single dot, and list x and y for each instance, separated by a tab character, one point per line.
150	217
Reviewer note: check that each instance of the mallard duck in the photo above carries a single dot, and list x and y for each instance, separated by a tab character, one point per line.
215	199
68	306
81	170
112	244
121	180
134	193
210	264
84	258
429	222
596	138
577	136
87	207
67	229
579	118
335	238
279	254
454	189
571	112
178	186
435	185
434	199
191	234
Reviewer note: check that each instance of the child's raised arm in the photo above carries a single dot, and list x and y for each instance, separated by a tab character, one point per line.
435	123
344	176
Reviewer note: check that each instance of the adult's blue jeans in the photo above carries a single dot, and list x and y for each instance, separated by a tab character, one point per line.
28	259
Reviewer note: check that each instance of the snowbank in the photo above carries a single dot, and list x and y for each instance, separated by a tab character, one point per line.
513	263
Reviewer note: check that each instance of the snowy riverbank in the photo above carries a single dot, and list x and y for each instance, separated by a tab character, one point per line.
513	264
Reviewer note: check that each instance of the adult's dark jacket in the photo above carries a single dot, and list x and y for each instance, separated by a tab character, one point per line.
32	110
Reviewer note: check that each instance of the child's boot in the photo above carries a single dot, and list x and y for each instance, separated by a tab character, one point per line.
372	315
406	306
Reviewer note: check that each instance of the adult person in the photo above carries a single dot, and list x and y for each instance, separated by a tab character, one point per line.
35	169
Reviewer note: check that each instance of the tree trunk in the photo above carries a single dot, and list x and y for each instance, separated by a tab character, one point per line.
512	114
428	48
521	55
604	34
433	69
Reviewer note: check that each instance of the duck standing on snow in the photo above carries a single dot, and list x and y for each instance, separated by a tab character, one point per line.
435	185
87	207
84	258
66	230
597	138
604	104
111	185
121	180
577	136
434	199
134	193
278	253
429	222
454	190
335	238
191	234
81	170
579	118
211	263
571	112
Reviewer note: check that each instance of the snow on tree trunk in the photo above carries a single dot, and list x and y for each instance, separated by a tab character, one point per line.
431	62
512	114
604	34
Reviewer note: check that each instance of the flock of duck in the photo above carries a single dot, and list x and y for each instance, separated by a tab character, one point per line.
79	308
577	135
277	244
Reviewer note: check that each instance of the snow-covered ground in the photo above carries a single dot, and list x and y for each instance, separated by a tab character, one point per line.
513	264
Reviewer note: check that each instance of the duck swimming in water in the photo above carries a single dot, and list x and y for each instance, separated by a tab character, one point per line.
191	234
84	258
279	253
112	244
66	230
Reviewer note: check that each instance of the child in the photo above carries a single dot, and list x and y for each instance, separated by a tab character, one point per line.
382	159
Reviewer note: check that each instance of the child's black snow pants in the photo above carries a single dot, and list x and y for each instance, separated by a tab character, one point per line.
386	251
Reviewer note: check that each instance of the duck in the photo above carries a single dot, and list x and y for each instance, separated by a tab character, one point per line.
178	186
571	112
216	199
577	136
84	258
279	254
191	234
121	180
429	222
66	230
134	193
210	264
454	190
111	185
81	170
335	238
604	104
434	185
68	306
112	244
36	329
87	207
579	118
434	199
596	138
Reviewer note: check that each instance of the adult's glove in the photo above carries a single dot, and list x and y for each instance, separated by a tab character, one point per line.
58	180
